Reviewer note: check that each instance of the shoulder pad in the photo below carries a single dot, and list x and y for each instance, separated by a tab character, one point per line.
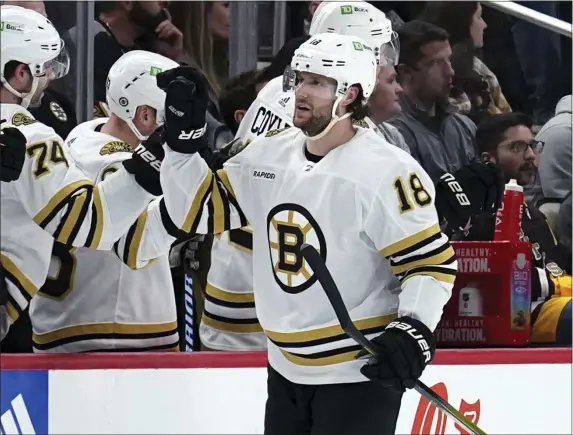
361	123
275	131
115	146
20	118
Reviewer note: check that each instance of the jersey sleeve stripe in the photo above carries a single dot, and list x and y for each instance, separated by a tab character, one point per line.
226	324
193	215
12	311
97	219
222	174
217	217
168	223
132	245
444	253
56	202
72	221
233	299
334	356
413	242
242	239
12	272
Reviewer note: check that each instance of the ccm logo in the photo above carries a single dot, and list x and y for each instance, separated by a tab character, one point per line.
263	174
193	134
456	189
410	330
148	156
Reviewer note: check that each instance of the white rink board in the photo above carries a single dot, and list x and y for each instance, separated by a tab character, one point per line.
513	398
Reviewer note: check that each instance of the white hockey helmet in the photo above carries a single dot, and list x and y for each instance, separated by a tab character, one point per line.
359	19
348	60
131	83
30	38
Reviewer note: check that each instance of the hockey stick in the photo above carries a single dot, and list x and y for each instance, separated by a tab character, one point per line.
318	266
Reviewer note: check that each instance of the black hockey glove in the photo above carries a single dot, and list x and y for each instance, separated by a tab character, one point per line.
471	190
406	347
185	108
145	163
12	153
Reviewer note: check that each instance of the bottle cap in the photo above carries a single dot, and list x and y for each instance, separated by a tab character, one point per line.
513	186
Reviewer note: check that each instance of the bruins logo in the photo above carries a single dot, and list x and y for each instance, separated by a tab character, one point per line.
100	110
58	112
289	227
116	146
275	131
20	118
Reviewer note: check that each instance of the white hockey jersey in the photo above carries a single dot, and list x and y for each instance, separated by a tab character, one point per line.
53	199
366	206
273	109
108	300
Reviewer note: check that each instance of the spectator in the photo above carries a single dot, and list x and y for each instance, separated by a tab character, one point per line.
476	91
121	27
440	139
205	27
384	104
507	140
555	161
54	110
563	223
238	94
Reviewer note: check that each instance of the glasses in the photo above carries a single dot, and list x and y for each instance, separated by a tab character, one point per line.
520	146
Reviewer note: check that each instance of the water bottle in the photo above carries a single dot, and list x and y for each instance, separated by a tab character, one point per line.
508	216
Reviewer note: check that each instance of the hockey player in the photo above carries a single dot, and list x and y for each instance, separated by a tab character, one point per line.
52	198
98	300
229	320
366	205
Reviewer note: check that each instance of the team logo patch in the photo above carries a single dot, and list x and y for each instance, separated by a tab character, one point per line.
58	112
361	123
289	227
100	110
275	131
20	118
116	146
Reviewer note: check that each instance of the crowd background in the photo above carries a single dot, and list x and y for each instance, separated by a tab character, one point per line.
506	74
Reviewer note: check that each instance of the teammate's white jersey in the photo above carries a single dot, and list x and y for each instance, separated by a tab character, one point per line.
273	109
367	206
229	320
108	300
54	199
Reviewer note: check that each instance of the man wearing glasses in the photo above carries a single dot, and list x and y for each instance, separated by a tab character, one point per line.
507	141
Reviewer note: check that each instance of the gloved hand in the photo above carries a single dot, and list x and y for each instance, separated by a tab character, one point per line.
12	153
471	190
406	347
185	108
145	163
183	253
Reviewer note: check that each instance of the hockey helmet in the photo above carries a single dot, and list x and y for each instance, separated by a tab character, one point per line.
359	19
131	83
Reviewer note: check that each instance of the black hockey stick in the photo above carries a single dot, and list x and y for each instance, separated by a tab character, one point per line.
318	266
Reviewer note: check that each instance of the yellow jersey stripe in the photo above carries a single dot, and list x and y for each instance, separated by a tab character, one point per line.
194	210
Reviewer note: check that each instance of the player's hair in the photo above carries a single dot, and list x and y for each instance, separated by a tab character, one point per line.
413	35
238	94
491	131
10	69
454	17
359	110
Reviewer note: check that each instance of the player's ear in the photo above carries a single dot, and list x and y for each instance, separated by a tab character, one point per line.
239	115
351	95
21	78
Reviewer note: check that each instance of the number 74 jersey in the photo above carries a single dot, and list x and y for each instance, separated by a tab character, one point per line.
367	207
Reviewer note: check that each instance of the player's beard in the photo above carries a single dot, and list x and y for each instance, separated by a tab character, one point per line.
316	123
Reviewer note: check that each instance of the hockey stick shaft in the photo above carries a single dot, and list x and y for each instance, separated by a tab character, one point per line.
323	275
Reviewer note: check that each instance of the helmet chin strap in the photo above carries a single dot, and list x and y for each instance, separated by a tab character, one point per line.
333	120
25	96
134	129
